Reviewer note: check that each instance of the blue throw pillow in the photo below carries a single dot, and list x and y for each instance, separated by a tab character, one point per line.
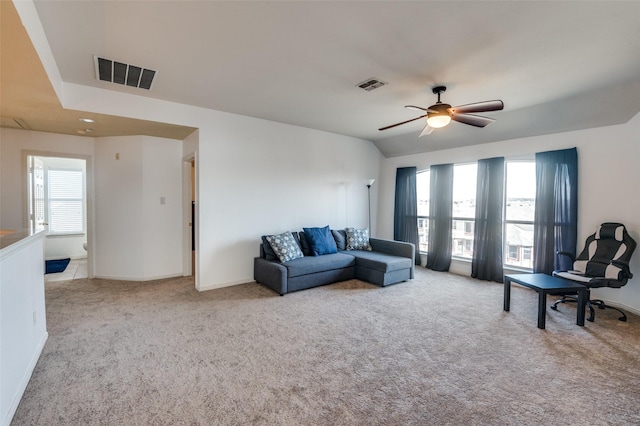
320	240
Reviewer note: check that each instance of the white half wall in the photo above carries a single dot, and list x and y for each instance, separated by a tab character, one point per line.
23	322
608	185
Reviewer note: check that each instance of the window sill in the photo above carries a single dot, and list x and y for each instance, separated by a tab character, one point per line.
66	234
467	260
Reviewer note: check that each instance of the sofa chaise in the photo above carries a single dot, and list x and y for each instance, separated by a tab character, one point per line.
378	261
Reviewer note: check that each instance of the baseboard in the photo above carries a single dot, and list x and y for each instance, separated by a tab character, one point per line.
24	382
222	285
621	306
154	278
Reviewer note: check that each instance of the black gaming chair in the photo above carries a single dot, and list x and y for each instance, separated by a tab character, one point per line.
604	262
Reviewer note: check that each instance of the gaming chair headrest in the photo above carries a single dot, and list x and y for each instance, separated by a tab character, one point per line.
610	230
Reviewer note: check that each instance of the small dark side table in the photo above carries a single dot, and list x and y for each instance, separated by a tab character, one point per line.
545	284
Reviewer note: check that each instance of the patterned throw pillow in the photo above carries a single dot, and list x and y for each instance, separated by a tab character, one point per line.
358	239
285	246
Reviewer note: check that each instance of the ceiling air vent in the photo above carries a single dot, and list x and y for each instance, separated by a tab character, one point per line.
125	74
370	84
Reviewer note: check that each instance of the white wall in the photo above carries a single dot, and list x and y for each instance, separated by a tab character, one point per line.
258	177
137	237
118	243
63	246
254	177
608	185
162	207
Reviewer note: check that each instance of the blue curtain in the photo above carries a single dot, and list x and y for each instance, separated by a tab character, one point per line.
440	211
556	213
487	236
405	222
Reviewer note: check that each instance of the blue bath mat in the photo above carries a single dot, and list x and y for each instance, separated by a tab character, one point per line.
53	266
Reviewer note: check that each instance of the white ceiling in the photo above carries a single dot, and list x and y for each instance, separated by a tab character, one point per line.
557	66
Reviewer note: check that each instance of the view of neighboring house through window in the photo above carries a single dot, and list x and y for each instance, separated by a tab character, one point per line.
464	209
520	193
519	211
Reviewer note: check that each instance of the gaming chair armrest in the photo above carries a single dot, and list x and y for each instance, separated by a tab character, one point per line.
624	266
568	254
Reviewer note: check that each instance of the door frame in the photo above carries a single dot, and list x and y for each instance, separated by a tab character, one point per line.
88	201
189	187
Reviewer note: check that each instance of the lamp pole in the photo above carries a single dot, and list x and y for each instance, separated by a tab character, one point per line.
369	182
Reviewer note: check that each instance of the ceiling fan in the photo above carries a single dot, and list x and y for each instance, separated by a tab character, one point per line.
439	114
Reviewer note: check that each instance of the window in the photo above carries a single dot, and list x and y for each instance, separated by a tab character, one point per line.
520	194
464	209
66	201
520	203
423	182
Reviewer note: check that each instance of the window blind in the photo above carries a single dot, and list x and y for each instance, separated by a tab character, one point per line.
66	201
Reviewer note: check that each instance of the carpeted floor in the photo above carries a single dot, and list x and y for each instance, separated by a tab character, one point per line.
438	350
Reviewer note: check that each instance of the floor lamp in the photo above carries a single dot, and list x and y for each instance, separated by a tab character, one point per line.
369	182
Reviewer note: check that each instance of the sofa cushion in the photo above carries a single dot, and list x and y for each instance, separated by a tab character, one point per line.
312	264
320	241
284	246
380	261
304	243
341	239
269	254
358	239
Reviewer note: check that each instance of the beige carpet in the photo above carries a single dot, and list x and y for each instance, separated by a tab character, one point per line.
438	350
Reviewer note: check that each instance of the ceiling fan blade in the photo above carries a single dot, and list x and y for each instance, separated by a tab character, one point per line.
426	131
473	120
417	108
478	107
404	122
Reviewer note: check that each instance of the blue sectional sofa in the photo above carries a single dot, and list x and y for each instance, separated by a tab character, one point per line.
387	262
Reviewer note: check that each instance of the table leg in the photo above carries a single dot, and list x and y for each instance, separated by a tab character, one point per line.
542	308
507	294
582	302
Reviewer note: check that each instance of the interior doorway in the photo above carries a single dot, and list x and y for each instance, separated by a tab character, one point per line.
58	203
189	215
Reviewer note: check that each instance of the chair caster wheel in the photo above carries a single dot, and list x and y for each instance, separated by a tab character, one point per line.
601	306
555	308
623	319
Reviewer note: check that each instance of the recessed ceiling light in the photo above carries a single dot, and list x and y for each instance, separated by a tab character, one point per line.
85	131
87	120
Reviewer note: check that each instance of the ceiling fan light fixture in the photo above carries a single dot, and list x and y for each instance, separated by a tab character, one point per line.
438	120
438	115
